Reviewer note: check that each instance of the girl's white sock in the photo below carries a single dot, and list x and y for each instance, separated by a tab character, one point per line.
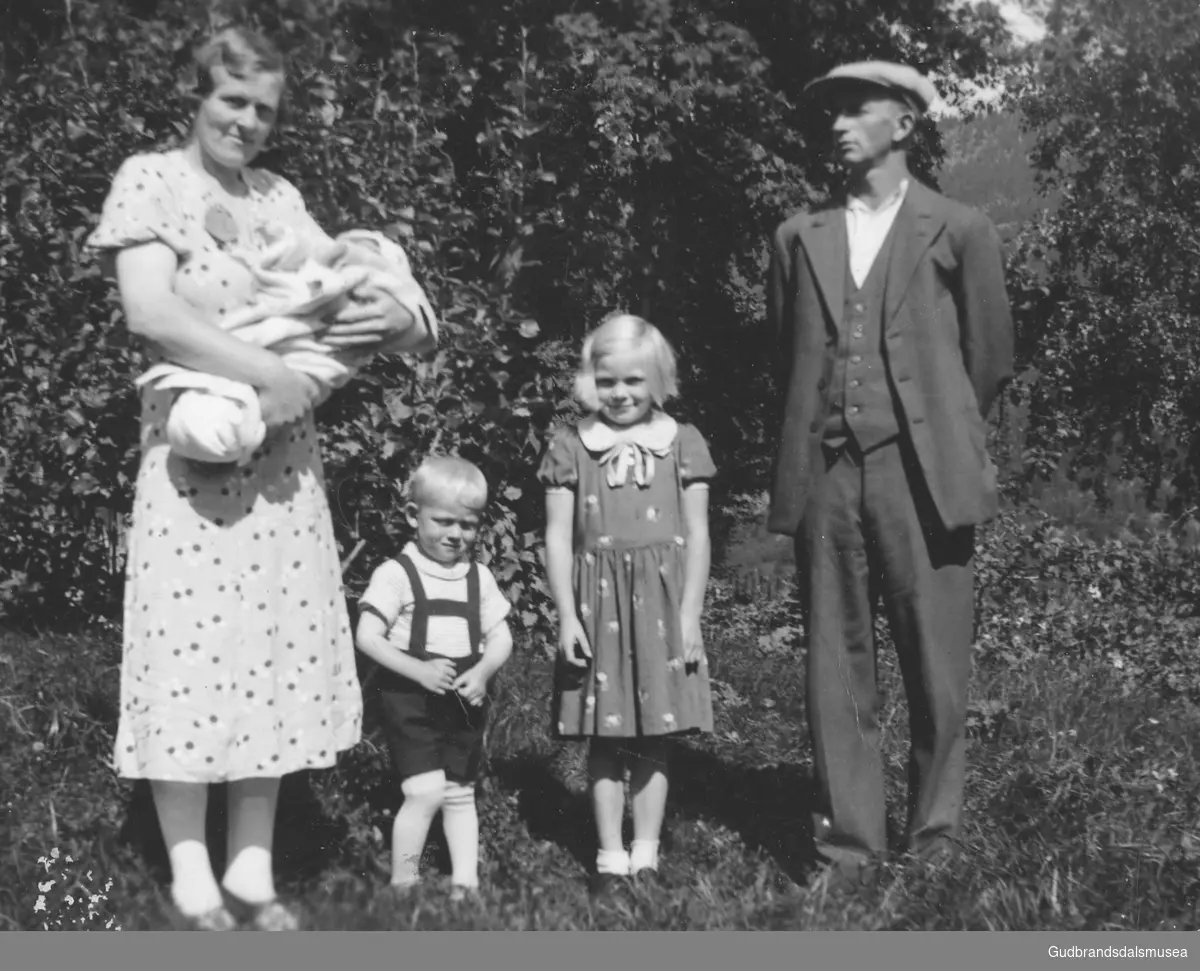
615	862
644	855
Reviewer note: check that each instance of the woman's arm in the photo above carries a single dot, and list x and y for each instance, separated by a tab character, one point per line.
156	313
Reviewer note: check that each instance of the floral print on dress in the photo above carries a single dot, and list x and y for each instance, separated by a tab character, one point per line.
217	607
629	570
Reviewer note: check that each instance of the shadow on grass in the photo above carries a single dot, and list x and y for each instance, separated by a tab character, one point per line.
769	808
549	810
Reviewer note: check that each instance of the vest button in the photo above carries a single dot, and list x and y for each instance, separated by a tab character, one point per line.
855	383
859	308
854	409
855	358
858	332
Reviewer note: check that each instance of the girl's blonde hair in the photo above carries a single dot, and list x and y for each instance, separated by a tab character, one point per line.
442	478
620	331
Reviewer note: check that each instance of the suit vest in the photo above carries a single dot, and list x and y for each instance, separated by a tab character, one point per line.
860	398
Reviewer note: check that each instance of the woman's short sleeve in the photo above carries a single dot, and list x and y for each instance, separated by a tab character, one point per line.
695	462
140	208
560	464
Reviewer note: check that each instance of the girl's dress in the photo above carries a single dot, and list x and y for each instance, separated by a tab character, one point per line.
238	657
630	553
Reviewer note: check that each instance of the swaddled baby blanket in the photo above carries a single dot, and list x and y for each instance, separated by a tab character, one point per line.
299	288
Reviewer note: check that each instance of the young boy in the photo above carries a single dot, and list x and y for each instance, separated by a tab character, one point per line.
436	622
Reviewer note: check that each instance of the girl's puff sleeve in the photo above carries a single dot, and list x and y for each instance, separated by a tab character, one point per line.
695	462
140	208
560	465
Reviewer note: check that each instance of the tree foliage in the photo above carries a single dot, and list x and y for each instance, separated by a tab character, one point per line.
1109	282
544	163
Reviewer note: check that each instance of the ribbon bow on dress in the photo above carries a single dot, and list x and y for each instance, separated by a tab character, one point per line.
629	452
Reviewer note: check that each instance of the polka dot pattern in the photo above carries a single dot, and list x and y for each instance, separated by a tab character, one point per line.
238	655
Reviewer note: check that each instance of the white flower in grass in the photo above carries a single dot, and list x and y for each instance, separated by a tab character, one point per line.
653	515
605	541
675	664
664	570
680	541
602	680
614	626
638	600
662	627
590	703
585	610
643	696
592	502
668	719
46	887
589	559
562	729
40	904
612	721
603	587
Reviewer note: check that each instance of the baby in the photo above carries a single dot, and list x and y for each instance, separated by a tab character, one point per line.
298	288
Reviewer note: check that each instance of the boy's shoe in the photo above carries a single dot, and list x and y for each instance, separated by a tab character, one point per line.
217	919
270	916
607	885
460	893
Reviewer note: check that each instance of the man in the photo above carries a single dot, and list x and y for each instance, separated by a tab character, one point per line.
891	309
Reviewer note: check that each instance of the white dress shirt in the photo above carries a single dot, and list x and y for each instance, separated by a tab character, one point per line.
867	228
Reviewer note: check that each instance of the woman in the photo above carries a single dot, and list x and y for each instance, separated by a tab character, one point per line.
238	658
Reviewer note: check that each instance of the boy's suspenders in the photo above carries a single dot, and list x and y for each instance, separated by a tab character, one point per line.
424	608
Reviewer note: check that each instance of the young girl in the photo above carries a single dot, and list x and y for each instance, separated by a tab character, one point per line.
627	554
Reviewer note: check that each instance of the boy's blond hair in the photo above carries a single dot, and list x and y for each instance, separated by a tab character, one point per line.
448	478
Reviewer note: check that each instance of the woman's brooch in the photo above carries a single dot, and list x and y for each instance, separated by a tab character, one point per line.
220	224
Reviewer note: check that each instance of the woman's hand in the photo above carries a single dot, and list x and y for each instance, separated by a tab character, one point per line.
573	646
370	318
286	396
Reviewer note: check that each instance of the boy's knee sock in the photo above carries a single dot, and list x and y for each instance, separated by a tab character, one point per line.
423	795
643	855
460	820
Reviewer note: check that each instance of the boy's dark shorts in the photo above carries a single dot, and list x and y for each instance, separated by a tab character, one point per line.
427	732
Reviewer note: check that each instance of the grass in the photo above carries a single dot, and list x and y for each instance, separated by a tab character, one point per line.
1082	803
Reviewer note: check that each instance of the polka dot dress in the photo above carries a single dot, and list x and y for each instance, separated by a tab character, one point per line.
238	656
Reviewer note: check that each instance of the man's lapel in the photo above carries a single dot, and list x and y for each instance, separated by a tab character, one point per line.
824	239
918	224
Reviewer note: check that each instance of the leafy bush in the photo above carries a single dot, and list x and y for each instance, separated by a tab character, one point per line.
542	166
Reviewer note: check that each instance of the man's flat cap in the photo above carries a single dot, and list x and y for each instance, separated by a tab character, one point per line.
900	79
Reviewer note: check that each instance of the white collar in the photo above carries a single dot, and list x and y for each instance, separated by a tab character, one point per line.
896	198
432	568
656	434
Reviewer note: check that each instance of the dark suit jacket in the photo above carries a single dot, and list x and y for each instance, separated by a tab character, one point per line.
948	346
